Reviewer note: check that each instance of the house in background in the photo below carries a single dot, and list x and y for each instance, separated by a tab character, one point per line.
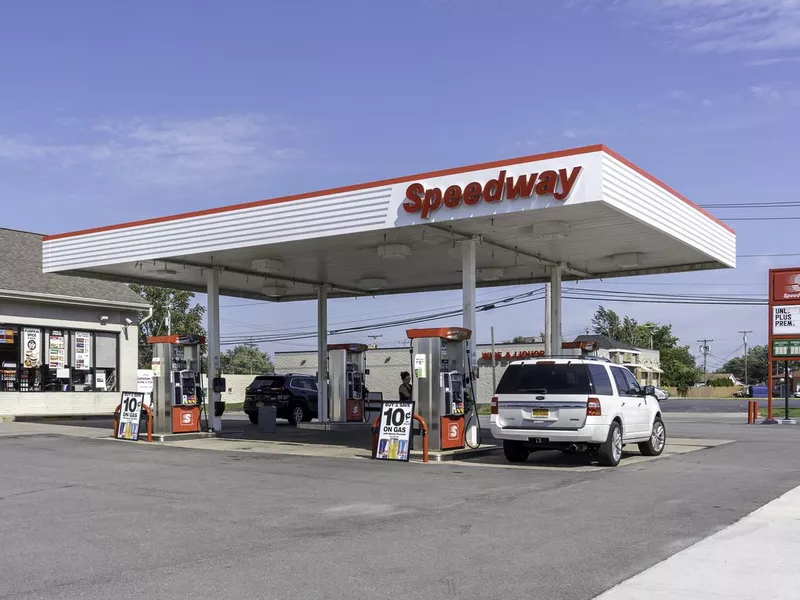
645	364
729	378
68	345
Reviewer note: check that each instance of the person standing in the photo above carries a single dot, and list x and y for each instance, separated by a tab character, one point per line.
405	387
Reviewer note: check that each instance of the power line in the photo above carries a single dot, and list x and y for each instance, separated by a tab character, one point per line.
778	204
596	295
509	301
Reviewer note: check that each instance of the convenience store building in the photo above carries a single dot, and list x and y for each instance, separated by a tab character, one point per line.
68	345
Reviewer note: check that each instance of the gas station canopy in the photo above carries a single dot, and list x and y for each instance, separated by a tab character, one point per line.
586	210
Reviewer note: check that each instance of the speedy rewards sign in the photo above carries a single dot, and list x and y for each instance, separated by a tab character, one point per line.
551	183
786	286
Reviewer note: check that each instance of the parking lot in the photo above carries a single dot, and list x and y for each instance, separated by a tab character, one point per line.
108	518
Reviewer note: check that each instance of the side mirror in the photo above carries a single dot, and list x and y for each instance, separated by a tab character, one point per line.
649	390
366	371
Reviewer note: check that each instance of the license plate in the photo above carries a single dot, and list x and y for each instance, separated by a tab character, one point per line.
540	413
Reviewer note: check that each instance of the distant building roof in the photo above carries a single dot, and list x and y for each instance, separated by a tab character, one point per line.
605	342
714	376
21	271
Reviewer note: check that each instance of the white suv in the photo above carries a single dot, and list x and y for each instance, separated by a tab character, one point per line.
574	405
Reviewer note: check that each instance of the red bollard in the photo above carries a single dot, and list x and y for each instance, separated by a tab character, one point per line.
755	411
749	412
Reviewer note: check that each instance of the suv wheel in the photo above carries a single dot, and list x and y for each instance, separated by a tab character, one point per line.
658	439
297	413
610	453
253	417
515	451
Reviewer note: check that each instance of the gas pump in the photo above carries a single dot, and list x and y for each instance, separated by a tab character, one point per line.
442	383
347	373
177	385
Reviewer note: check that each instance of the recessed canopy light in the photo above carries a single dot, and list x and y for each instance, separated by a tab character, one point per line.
372	283
165	270
550	231
274	289
490	274
627	260
394	251
267	265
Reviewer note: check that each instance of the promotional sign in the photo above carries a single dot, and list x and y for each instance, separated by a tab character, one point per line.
31	348
786	349
144	385
100	380
421	366
786	320
130	413
57	351
83	351
394	433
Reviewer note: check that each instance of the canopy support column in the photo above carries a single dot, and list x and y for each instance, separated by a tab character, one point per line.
555	309
468	289
548	329
322	353
212	293
468	285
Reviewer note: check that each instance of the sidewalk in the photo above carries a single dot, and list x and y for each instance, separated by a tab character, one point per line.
755	558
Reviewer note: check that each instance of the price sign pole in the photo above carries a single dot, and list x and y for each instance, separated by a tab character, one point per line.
784	334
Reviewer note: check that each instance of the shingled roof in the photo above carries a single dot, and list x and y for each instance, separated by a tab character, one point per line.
605	342
21	271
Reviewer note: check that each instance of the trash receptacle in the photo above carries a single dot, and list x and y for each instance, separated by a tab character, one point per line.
267	419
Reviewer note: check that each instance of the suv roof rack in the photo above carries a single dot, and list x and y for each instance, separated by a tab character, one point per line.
572	356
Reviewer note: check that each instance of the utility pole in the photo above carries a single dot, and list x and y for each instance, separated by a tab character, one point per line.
744	338
373	338
650	333
706	350
494	365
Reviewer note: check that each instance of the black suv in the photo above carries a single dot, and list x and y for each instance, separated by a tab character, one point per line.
295	397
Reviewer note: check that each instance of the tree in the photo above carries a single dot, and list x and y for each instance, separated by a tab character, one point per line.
606	322
677	361
186	319
757	369
246	359
679	368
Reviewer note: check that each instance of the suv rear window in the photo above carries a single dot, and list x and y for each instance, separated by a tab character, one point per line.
560	378
266	383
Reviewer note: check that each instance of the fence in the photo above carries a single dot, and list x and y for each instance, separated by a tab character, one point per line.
704	392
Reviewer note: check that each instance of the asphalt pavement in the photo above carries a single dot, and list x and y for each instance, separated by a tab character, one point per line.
98	518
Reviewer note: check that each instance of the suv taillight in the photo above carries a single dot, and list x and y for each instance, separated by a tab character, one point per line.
494	405
593	408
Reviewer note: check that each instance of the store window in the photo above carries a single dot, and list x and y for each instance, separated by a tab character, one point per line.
81	362
31	353
58	377
56	360
9	358
105	375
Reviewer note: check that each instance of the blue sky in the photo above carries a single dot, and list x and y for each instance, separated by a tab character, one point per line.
118	111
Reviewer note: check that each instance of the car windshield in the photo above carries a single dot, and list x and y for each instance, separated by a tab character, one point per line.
562	378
